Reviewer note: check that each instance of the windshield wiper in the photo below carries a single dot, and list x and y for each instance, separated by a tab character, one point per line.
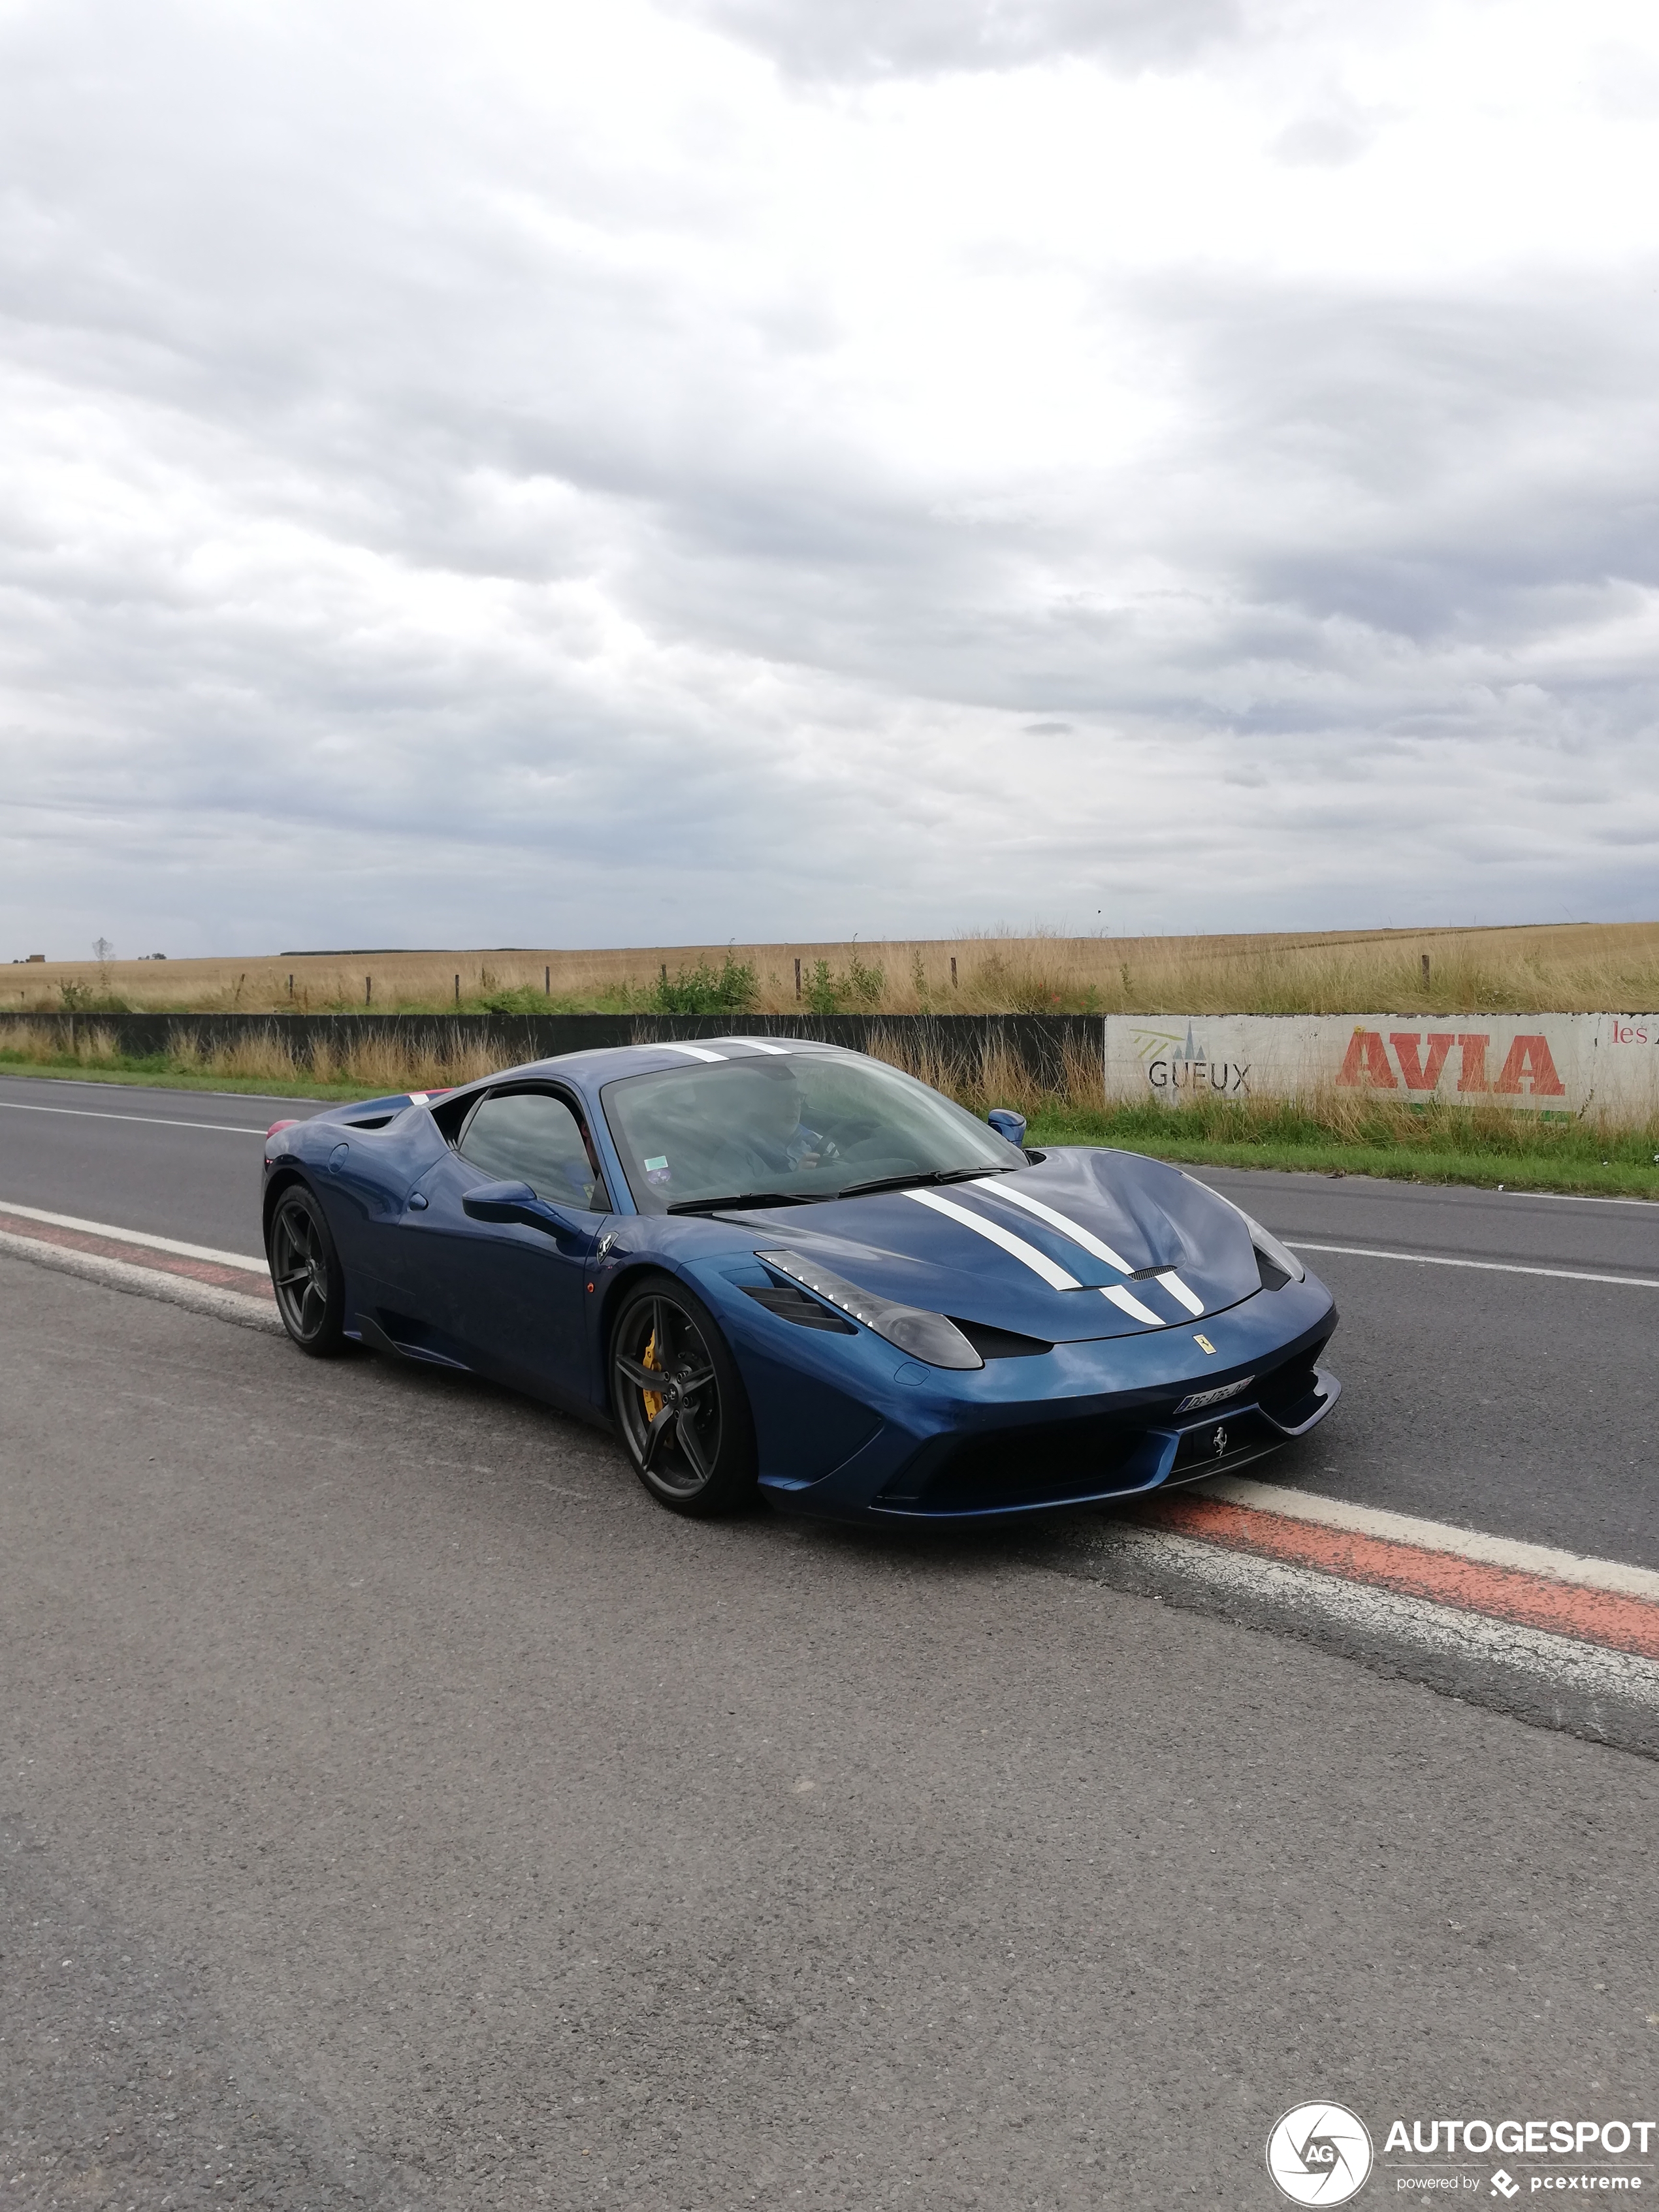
740	1199
920	1175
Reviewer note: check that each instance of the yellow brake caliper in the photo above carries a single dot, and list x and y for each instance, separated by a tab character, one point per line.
652	1398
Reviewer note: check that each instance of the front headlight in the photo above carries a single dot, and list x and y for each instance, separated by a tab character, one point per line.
1280	1255
923	1335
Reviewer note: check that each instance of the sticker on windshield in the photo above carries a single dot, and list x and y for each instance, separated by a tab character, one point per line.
657	1171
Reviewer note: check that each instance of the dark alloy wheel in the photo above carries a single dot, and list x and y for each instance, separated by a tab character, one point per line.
679	1402
305	1272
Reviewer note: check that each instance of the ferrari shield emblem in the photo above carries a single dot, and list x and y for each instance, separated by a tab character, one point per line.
1205	1344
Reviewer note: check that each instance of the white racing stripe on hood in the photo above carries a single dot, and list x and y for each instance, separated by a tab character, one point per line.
1132	1306
1092	1243
1038	1262
1065	1225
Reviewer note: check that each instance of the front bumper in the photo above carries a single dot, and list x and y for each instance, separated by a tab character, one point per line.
1089	1422
1037	1469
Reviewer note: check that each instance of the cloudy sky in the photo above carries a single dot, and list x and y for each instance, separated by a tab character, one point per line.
523	474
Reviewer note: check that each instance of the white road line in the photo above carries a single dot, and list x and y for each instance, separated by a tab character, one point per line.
1489	1267
1436	1536
1038	1262
135	1237
1571	1197
151	1120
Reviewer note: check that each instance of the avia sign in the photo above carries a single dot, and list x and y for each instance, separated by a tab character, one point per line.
1548	1063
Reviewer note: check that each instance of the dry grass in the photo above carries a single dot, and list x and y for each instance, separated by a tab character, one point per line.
1559	968
373	1064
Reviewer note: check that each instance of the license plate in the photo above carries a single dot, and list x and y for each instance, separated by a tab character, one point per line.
1200	1398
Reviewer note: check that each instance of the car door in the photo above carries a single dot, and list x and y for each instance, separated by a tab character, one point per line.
508	1295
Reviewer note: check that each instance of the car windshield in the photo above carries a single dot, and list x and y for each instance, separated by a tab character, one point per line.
788	1129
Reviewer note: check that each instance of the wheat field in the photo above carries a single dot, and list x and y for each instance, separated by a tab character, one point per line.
1555	967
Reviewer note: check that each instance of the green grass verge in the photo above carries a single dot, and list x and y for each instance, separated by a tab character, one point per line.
1565	1161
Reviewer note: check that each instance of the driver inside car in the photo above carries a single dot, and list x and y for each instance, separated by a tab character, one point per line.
769	1124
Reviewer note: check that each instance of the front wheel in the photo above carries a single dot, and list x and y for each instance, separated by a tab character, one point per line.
306	1274
679	1403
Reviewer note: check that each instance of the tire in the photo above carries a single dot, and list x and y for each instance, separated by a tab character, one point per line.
306	1274
693	1443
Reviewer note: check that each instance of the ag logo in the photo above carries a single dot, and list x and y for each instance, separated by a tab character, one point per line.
1319	2155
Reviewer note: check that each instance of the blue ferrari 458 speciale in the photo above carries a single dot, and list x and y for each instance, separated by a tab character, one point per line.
776	1267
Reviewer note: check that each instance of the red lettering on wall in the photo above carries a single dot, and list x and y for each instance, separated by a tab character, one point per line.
1473	1050
1366	1062
1418	1078
1529	1062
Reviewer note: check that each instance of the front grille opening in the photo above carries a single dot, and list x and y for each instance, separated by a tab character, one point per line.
1011	1467
1288	1393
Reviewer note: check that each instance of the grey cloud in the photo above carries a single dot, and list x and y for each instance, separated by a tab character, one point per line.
860	41
377	543
1325	139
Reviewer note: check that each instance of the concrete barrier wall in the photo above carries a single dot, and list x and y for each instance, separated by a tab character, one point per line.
959	1041
1550	1063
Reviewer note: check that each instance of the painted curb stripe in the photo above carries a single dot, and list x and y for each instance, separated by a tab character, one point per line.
1486	1266
1038	1262
1610	1697
140	1258
1589	1616
1436	1536
135	1237
212	1298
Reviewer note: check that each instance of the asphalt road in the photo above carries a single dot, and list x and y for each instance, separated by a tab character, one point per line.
1513	1403
399	1809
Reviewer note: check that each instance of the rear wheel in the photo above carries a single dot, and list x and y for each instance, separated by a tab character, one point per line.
306	1274
680	1404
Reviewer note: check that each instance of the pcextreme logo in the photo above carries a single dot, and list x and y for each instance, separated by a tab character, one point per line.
1319	2154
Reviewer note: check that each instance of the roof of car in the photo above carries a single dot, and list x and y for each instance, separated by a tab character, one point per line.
604	1063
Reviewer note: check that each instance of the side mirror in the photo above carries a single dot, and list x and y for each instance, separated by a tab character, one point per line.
1007	1124
502	1201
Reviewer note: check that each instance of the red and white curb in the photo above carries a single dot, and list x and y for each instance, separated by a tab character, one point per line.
229	1285
1553	1638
